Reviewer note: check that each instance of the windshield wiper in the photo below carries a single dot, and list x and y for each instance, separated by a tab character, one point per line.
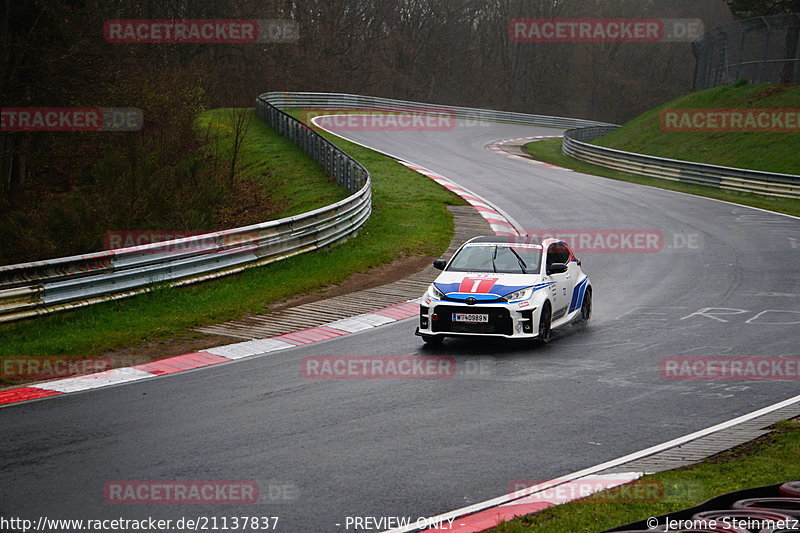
494	256
522	264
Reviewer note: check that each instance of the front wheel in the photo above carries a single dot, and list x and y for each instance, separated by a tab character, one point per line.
544	324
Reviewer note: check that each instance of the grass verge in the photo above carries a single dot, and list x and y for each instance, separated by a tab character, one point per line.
768	460
409	219
293	182
549	151
763	150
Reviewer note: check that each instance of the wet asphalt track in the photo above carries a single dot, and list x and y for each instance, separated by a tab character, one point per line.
421	447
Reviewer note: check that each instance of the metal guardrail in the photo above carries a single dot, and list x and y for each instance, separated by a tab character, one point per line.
31	289
577	145
40	287
287	100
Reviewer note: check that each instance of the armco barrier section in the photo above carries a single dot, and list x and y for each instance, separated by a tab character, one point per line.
287	100
577	144
39	287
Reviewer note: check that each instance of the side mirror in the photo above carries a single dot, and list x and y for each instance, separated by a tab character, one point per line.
556	268
439	264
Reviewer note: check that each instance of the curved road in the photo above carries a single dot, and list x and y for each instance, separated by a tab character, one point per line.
393	448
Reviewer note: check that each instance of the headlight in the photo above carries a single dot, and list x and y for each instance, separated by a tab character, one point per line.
433	292
523	294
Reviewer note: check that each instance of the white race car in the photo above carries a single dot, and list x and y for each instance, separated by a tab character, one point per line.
505	287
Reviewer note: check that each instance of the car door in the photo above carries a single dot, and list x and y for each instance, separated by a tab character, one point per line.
578	280
563	283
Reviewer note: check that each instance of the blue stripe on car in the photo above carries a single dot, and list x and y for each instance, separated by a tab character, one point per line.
577	294
497	289
451	290
480	297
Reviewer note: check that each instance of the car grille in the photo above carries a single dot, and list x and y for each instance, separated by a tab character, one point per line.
499	320
472	328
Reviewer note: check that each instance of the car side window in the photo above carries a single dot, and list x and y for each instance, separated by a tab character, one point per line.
552	254
563	253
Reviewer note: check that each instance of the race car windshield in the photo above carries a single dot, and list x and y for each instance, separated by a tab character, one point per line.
497	258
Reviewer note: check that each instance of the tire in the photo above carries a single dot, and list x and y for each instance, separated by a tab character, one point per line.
792	489
790	506
545	319
586	307
432	340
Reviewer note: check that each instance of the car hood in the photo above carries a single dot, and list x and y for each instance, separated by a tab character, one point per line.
483	286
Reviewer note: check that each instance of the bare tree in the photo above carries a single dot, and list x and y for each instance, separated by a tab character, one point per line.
240	119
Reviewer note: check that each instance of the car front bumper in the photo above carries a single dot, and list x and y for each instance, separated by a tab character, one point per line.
509	320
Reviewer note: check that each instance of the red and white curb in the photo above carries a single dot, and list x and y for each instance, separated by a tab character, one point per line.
500	223
498	148
211	356
538	501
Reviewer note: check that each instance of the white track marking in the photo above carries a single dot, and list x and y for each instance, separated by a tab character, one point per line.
246	349
94	381
506	498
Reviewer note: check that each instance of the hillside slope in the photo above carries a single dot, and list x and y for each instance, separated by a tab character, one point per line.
769	151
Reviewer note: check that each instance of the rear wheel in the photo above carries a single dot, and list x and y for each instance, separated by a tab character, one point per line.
432	340
586	307
544	324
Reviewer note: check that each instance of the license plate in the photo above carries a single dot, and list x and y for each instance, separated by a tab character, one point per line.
470	318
